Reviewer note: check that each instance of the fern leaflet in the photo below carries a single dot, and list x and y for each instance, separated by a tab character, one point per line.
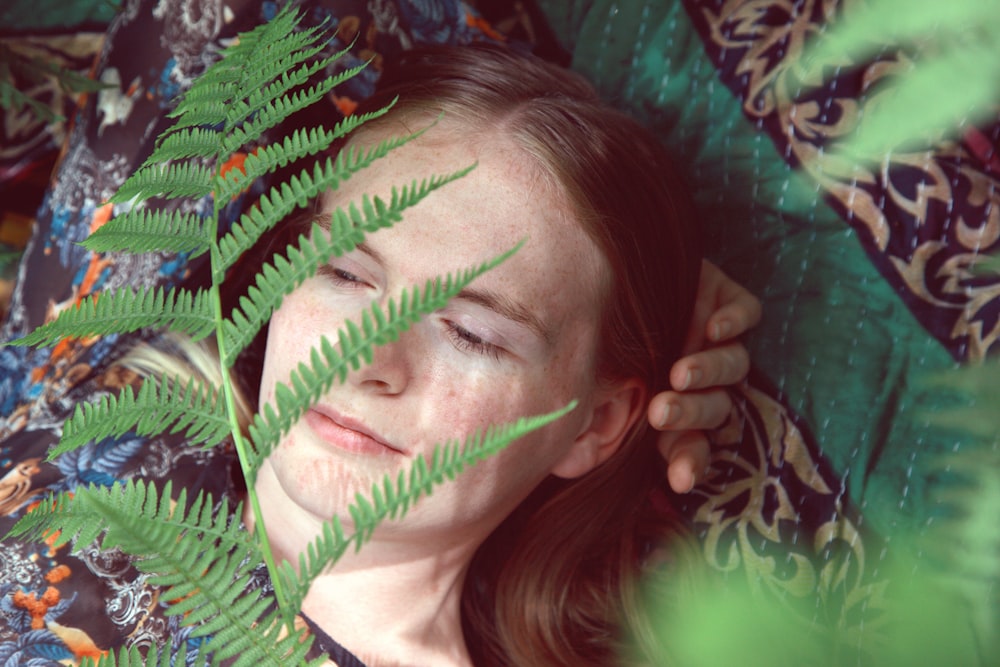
170	181
283	275
299	144
158	407
143	230
155	656
282	199
253	129
185	143
124	311
201	557
273	84
232	67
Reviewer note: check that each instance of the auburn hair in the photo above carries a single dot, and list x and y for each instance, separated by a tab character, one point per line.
556	583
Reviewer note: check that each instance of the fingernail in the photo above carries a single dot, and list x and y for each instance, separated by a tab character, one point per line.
671	413
721	330
692	377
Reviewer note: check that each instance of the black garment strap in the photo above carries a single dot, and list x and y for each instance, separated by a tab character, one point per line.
329	645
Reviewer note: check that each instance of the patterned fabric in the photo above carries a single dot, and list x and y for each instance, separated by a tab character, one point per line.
57	607
775	513
842	361
777	507
29	144
926	217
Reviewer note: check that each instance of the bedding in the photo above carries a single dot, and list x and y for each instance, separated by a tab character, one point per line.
828	460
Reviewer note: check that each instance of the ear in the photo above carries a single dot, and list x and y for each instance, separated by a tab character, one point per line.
614	412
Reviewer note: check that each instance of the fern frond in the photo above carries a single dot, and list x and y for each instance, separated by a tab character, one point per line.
327	364
276	79
186	142
90	511
276	111
393	500
57	518
253	129
301	143
160	406
145	230
282	199
215	87
207	112
155	656
282	275
124	311
171	181
280	53
200	556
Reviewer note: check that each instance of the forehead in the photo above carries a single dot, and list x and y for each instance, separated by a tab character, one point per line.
506	199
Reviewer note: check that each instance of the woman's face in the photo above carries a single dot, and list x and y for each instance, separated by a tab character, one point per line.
520	340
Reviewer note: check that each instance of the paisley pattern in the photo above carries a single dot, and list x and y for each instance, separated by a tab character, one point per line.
926	217
773	510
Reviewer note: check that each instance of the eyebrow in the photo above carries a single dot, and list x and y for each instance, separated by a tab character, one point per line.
488	299
323	220
506	308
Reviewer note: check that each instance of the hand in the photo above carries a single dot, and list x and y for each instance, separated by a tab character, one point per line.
714	360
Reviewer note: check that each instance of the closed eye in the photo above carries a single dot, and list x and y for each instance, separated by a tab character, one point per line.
467	341
341	276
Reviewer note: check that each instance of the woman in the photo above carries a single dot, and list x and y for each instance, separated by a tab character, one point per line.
54	599
532	556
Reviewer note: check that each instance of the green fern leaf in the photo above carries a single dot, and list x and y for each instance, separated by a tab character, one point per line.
282	199
208	112
160	406
252	129
186	142
125	311
282	276
172	181
217	86
327	364
143	230
392	501
281	48
277	79
199	556
152	656
276	111
295	146
58	519
204	93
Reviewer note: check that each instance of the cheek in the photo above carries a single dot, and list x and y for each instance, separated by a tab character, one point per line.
323	485
292	326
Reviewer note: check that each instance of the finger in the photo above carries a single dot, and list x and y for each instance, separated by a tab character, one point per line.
715	367
704	309
738	312
672	411
687	455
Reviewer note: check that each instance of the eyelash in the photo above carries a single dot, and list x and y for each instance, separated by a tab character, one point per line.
342	277
463	339
467	341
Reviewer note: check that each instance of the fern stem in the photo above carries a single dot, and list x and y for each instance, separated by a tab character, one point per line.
239	442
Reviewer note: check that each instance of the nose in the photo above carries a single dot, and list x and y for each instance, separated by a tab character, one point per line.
390	370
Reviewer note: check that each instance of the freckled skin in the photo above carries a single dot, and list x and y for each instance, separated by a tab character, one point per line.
425	388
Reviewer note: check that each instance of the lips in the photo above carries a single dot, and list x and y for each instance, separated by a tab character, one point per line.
347	434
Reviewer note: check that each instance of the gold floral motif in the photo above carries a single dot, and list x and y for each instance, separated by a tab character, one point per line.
748	511
953	193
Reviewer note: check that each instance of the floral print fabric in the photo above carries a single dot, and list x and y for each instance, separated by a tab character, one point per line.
57	607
